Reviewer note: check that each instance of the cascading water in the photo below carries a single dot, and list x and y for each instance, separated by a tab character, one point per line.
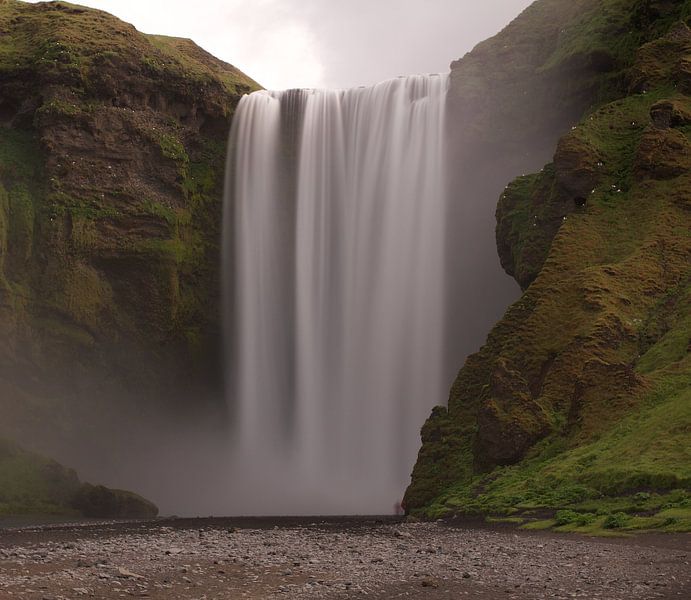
334	247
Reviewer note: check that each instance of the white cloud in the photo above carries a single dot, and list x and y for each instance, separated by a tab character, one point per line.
317	43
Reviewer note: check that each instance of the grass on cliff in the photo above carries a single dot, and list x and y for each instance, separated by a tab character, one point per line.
646	451
73	39
626	471
602	335
30	483
33	484
87	70
190	59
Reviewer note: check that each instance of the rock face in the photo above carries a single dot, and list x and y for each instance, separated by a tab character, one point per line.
510	99
112	148
104	503
582	389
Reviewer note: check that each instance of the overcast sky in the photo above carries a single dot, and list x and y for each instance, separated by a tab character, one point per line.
324	43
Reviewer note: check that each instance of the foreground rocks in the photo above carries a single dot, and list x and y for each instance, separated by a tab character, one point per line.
213	559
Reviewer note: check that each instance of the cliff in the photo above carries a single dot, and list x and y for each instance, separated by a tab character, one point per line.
30	483
579	398
112	150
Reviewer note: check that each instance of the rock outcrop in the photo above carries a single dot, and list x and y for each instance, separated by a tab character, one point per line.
582	389
30	483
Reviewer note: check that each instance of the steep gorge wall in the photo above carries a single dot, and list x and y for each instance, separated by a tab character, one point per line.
112	151
582	388
509	101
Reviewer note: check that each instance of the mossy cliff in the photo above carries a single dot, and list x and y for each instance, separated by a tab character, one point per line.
582	391
30	483
112	149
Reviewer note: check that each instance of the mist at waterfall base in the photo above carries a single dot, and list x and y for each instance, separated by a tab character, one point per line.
334	248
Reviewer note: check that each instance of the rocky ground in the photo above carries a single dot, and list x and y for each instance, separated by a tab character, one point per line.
221	559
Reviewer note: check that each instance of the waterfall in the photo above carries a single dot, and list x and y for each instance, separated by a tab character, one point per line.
334	237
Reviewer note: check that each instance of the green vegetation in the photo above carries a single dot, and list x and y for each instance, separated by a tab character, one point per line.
32	484
172	148
599	341
181	56
112	152
74	41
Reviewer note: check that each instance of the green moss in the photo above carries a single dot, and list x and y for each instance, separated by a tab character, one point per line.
666	335
600	339
100	502
59	204
33	484
30	483
181	57
20	156
172	148
175	250
72	40
539	525
170	215
622	516
570	517
21	222
59	107
511	520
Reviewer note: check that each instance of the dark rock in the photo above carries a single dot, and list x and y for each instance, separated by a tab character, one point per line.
509	420
669	113
101	502
662	154
576	165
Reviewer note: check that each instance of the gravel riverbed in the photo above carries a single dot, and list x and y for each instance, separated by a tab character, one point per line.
209	559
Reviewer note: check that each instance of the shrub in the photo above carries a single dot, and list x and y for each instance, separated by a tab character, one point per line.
571	517
565	517
616	521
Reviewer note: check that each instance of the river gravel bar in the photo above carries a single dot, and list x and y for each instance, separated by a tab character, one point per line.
207	559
